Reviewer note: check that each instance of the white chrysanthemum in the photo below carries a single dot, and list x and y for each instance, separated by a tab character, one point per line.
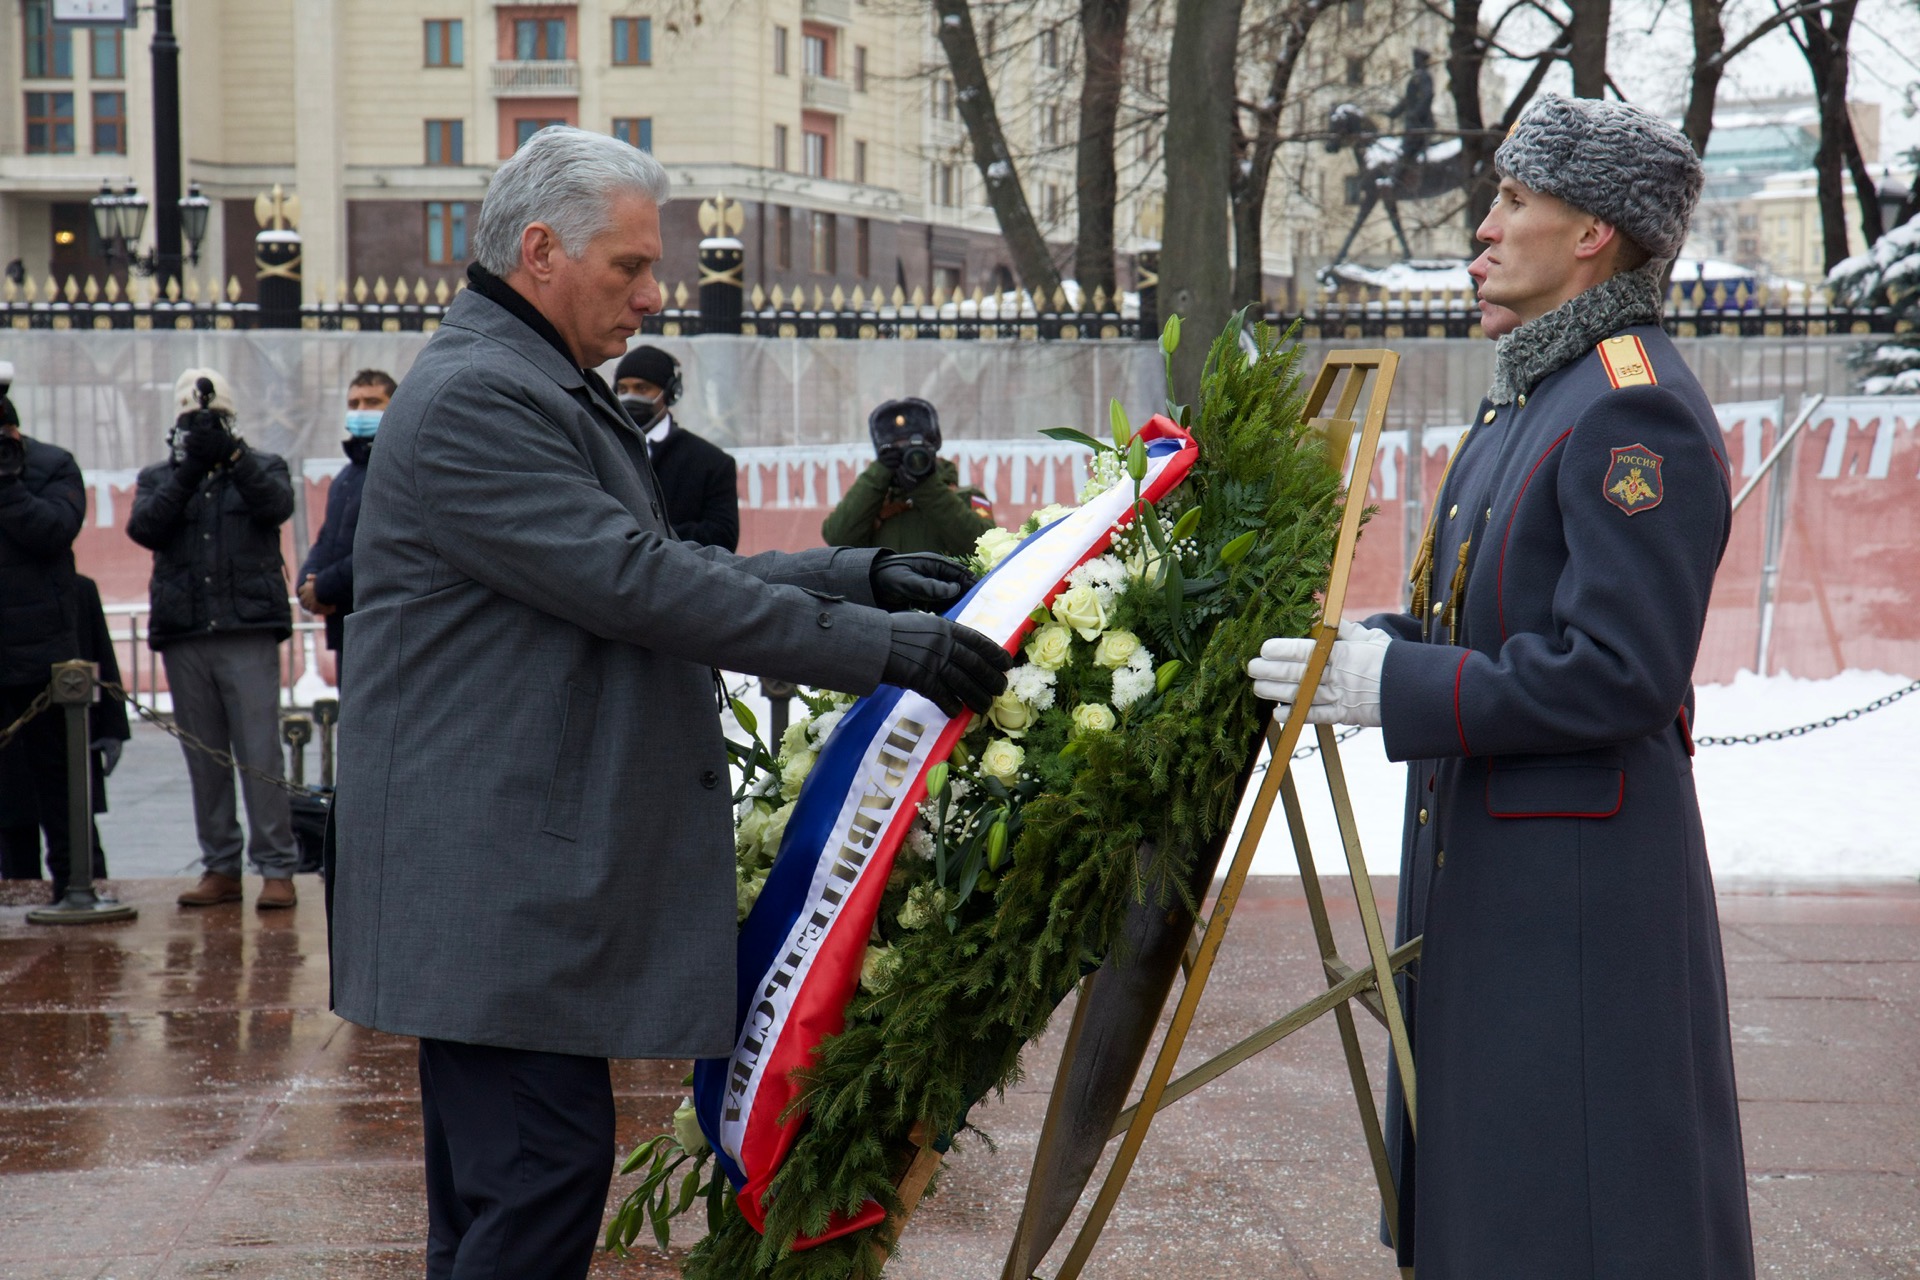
1032	685
919	841
1106	471
821	728
1129	686
1142	660
1107	575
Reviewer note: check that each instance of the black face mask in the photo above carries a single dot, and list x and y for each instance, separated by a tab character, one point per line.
643	409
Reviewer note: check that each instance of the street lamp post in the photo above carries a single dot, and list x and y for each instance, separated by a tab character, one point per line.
166	147
120	217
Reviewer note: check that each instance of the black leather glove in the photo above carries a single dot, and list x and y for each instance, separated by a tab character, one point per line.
946	663
890	456
109	749
209	443
918	580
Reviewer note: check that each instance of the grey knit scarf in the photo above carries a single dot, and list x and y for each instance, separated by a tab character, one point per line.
1537	348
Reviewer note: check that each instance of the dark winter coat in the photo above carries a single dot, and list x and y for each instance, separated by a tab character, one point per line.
932	516
215	538
330	559
1576	1100
701	487
40	516
107	718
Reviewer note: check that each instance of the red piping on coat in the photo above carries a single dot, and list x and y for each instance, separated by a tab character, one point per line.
1500	582
1617	802
1686	730
1459	724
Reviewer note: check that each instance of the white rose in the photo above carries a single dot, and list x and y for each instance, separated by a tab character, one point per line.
1116	649
925	903
776	828
1093	717
1010	715
752	828
795	771
876	968
995	545
1080	609
1002	759
1050	647
794	740
1051	512
686	1129
1147	565
746	893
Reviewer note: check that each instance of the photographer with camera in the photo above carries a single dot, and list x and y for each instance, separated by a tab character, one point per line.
909	499
43	502
211	514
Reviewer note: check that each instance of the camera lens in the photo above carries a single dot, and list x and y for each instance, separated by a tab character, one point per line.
917	461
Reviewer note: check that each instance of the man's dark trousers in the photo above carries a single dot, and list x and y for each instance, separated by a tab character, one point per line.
519	1158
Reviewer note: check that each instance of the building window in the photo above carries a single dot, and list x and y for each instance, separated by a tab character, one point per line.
943	185
1146	146
859	161
825	253
1356	71
783	237
1050	202
447	142
1356	13
446	42
446	232
1050	125
859	68
632	42
816	154
635	131
780	147
50	124
943	99
525	129
992	36
863	247
946	280
1050	47
110	124
109	53
816	55
49	47
540	39
779	51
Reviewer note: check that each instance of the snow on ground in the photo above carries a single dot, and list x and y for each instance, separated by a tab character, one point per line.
1834	804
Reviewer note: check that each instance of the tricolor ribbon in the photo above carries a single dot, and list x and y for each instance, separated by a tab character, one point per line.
802	945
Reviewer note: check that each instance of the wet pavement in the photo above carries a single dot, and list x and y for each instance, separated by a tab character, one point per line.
176	1101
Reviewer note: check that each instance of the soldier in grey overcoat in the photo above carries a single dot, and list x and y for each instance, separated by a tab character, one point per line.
1576	1107
534	869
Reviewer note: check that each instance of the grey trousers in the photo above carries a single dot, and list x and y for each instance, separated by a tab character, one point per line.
226	692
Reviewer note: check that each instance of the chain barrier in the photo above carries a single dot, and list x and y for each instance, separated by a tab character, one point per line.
1781	735
34	708
225	758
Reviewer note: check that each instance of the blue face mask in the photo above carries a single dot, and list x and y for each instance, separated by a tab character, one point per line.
362	423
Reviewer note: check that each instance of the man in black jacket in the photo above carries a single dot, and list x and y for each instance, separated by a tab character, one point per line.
211	514
42	504
697	477
326	579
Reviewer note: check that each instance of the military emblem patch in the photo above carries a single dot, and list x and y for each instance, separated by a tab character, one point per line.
1633	481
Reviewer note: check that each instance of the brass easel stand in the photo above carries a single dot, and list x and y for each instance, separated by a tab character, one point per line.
1371	982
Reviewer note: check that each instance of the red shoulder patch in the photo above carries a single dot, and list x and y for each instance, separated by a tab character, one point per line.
1633	481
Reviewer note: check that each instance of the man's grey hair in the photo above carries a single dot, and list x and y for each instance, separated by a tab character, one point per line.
566	178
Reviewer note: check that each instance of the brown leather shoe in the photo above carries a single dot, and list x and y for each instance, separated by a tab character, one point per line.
212	890
275	895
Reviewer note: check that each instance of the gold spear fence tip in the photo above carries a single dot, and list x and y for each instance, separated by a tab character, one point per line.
838	298
899	296
919	298
759	298
442	294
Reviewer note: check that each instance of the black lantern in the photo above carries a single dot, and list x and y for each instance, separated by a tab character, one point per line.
120	219
194	209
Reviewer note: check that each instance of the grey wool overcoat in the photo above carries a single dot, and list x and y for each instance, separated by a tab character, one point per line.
533	816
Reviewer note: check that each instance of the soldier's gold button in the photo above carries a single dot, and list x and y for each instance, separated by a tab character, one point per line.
1438	605
1522	402
1453	511
1440	858
1489	513
1423	817
1488	417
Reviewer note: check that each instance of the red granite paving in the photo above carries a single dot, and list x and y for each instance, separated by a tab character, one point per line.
175	1101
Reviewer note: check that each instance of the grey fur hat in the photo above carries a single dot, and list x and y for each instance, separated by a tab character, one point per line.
1611	159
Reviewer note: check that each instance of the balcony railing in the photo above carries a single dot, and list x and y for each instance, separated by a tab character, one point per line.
817	93
551	78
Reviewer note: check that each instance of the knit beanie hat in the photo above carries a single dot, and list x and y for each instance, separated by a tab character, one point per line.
1612	160
649	364
185	397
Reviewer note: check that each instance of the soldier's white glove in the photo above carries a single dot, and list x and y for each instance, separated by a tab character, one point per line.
1349	691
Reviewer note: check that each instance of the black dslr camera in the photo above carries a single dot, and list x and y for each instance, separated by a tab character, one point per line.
906	439
205	434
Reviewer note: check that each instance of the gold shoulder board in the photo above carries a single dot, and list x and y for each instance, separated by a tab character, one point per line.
1626	362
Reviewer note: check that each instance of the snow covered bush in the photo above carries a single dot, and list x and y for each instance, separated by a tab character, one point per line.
1886	275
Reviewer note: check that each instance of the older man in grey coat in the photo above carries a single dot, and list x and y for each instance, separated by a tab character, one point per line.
534	868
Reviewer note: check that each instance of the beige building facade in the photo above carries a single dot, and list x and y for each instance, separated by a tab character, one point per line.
832	122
